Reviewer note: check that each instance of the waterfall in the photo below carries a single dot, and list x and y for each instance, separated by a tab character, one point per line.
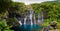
25	20
34	19
40	17
20	22
25	17
31	13
30	22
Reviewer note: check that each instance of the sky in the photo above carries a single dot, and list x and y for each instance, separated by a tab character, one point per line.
27	2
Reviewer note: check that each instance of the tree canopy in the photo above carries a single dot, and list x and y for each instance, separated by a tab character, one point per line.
50	9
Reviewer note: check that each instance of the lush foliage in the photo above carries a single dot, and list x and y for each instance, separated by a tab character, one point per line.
4	26
51	10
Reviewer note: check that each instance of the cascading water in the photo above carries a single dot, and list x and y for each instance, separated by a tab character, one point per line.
18	18
25	20
31	26
34	19
20	22
40	17
31	13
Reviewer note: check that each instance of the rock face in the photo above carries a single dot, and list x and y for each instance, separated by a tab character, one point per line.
53	25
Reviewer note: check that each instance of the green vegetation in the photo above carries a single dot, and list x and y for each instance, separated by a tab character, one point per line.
50	9
4	26
51	12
